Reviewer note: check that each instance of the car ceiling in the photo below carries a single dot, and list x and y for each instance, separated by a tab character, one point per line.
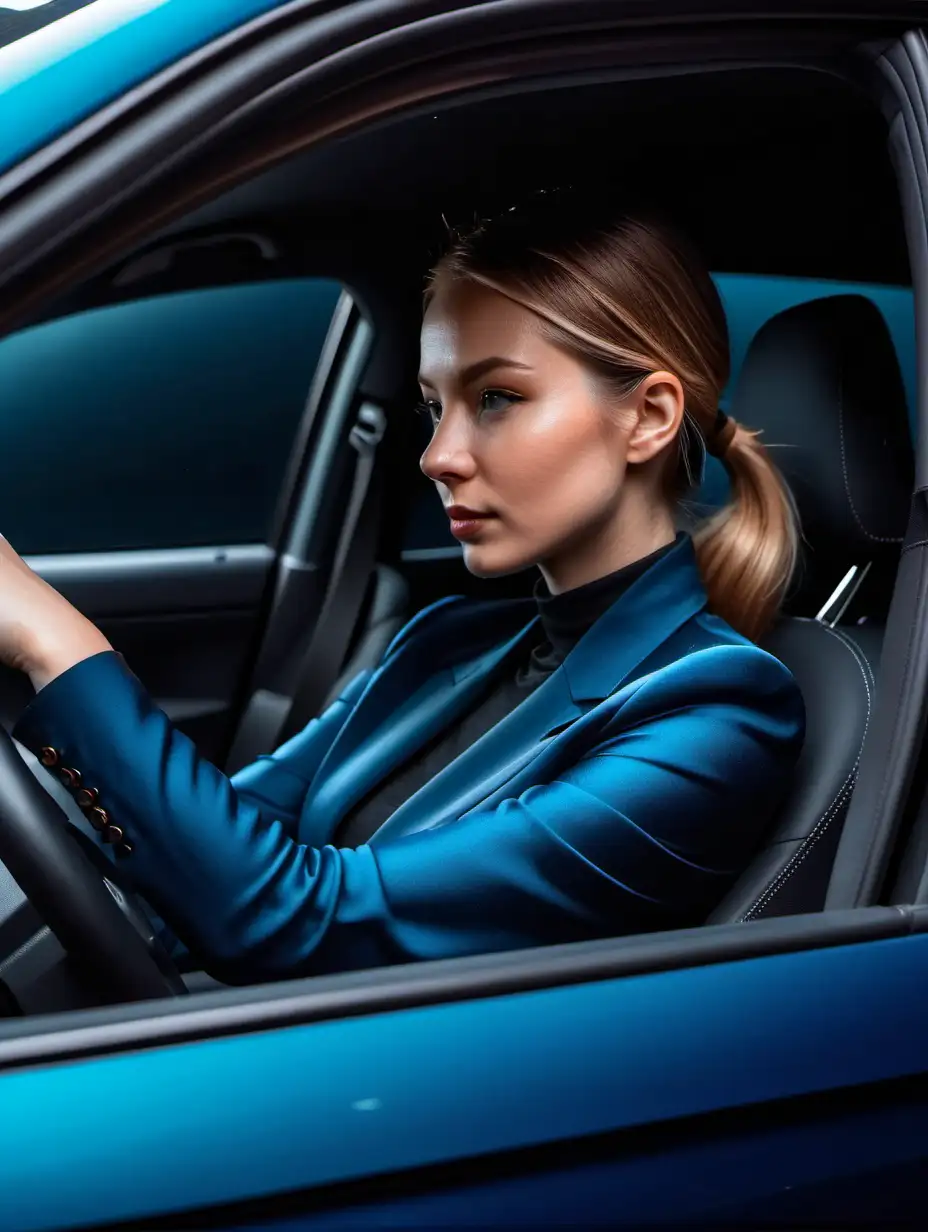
772	171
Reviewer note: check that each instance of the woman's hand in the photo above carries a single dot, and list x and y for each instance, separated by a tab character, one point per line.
41	634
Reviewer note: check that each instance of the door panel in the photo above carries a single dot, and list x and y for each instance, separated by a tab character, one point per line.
155	583
324	1103
192	665
186	622
855	1160
168	428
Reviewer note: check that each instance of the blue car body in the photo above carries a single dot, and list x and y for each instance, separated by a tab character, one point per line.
66	71
732	1089
328	1103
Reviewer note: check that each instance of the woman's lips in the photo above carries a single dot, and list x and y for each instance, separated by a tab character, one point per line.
468	527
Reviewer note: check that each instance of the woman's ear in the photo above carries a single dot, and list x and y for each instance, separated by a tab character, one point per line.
658	403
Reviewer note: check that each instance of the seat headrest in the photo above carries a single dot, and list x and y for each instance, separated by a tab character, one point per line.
822	382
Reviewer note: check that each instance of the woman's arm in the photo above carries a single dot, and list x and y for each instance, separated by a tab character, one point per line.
43	635
644	831
277	784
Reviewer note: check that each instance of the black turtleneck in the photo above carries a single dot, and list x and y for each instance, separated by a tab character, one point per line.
564	620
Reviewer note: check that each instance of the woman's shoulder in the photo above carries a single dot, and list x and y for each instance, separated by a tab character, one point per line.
710	661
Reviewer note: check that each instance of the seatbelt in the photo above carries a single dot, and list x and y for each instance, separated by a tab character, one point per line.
351	576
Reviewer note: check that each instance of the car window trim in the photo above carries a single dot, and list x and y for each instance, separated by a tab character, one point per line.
256	1008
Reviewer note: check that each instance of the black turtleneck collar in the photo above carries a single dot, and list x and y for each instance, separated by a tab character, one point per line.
567	616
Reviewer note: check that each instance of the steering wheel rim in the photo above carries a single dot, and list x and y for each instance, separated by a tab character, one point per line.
80	905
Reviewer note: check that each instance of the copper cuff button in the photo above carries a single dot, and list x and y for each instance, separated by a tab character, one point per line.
87	797
71	778
48	756
112	834
124	849
99	818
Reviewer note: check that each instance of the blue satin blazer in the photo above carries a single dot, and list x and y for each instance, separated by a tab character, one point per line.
623	795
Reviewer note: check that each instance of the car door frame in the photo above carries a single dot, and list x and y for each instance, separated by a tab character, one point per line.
147	1046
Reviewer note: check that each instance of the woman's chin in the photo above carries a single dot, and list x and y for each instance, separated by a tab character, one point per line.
483	562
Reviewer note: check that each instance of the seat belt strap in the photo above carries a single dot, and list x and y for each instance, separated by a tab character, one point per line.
351	577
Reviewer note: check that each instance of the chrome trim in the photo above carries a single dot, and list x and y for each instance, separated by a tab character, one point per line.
840	598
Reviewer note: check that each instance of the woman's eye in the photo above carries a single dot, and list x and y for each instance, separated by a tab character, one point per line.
431	408
493	400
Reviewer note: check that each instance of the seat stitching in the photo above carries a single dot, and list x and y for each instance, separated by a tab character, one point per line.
822	825
843	636
828	816
847	485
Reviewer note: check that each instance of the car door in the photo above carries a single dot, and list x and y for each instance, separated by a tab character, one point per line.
771	1073
152	495
743	1076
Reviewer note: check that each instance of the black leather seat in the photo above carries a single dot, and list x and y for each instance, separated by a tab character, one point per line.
822	381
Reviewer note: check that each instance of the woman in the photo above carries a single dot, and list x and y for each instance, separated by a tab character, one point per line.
601	759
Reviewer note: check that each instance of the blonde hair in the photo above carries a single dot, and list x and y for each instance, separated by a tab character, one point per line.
627	297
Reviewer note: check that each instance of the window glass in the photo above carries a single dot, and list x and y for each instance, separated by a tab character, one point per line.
166	422
750	301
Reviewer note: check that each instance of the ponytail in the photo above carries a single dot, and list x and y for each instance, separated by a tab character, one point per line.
747	552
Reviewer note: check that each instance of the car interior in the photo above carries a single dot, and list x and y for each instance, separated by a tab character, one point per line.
780	175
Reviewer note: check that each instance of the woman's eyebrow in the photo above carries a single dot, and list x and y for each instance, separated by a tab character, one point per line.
474	371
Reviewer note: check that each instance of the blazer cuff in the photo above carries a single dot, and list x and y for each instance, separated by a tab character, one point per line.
53	712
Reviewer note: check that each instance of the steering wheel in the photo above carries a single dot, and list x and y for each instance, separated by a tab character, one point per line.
100	925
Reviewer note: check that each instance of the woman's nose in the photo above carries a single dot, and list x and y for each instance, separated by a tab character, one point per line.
448	454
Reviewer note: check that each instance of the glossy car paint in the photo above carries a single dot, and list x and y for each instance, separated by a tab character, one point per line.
229	1119
52	79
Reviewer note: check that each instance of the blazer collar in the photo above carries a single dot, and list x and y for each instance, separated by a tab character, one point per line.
640	620
422	692
626	635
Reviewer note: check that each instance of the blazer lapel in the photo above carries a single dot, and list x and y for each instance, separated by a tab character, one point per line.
408	702
624	637
495	758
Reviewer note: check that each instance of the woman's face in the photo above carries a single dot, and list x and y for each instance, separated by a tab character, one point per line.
525	439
